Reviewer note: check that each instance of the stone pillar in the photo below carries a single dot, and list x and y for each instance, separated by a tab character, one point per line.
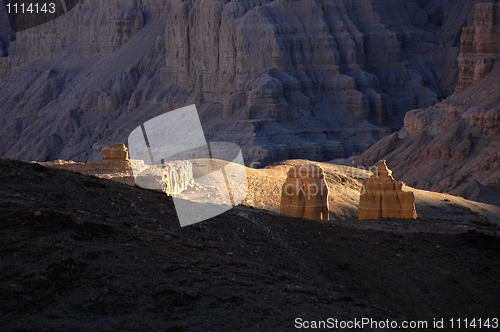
304	193
383	197
116	151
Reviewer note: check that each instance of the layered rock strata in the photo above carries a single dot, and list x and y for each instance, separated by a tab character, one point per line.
304	193
283	79
454	146
382	197
116	151
480	45
172	178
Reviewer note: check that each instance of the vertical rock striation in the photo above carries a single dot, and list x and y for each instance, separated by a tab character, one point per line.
383	197
116	151
480	45
283	79
304	193
172	178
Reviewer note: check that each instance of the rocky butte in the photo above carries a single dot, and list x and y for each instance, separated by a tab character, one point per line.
383	197
479	45
116	151
312	79
304	193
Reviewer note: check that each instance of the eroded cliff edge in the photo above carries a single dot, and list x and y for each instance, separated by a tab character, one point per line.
454	146
283	79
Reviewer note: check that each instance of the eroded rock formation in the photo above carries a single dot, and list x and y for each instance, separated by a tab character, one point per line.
283	79
480	45
172	178
454	146
304	193
116	151
116	165
111	169
382	197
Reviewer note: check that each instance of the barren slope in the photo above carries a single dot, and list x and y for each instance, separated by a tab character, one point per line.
452	147
284	79
87	254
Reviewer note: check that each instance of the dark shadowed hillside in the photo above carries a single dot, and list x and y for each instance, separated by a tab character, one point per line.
80	253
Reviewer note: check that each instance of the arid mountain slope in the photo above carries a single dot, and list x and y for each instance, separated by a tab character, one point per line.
345	185
86	254
454	146
284	79
263	189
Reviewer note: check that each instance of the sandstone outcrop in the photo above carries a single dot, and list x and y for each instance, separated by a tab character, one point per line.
304	193
116	166
382	197
171	178
480	45
454	146
116	151
111	169
283	79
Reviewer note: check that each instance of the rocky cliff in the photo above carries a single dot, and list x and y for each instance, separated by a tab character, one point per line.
284	79
451	147
480	47
454	146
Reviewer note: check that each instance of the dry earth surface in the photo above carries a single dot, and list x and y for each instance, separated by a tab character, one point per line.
345	186
81	253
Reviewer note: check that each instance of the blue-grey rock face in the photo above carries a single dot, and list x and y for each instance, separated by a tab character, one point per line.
283	79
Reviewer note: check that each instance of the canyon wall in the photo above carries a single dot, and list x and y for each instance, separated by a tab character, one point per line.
283	79
447	148
480	47
454	146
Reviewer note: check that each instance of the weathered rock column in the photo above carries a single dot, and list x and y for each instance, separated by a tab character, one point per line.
383	197
479	45
304	193
116	151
